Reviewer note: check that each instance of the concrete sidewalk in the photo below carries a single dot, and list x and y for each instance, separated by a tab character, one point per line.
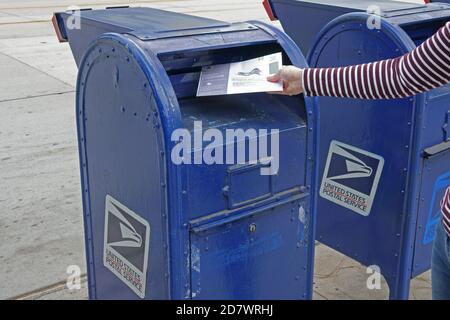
41	230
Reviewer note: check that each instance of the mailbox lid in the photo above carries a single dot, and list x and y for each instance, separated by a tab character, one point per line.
419	15
160	31
349	5
148	19
312	15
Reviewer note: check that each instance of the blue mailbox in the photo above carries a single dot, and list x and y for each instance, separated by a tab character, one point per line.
158	229
384	165
303	20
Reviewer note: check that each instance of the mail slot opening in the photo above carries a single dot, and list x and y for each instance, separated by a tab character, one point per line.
184	68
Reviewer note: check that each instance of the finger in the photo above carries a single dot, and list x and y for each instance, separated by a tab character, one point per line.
288	90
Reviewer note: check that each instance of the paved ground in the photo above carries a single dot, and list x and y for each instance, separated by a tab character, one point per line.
40	205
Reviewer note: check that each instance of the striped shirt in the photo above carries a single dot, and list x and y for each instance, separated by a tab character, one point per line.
445	208
425	68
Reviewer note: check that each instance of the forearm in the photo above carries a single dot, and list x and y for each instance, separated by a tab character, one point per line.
423	69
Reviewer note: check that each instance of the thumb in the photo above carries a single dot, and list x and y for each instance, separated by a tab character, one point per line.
275	77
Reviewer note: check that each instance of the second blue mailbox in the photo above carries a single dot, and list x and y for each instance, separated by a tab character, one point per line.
384	164
161	227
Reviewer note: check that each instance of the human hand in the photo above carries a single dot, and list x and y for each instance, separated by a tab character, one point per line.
292	80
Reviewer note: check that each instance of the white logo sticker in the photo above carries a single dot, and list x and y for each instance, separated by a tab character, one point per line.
126	245
351	177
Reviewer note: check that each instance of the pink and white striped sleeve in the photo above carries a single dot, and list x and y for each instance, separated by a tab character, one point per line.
425	68
445	208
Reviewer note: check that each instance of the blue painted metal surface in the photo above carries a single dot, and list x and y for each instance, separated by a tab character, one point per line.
397	233
216	231
304	19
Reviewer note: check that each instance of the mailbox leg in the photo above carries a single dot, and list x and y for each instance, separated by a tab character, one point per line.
399	288
401	293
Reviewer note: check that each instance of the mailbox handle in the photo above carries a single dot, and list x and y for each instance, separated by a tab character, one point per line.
243	170
436	149
201	225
